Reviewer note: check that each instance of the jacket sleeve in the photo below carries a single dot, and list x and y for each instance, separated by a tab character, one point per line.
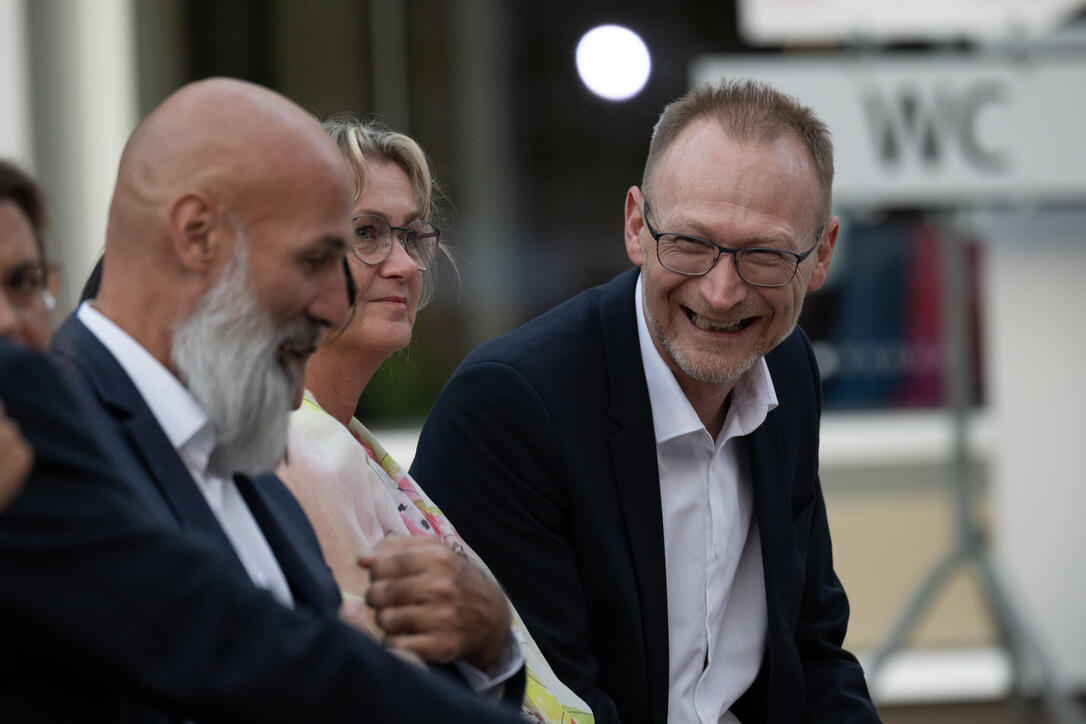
93	588
836	689
488	456
835	684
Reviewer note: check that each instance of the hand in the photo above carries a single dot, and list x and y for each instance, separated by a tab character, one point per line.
16	458
436	603
355	613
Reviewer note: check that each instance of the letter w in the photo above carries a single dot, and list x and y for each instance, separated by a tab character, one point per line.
914	125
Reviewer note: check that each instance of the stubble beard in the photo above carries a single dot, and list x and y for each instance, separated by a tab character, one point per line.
704	366
227	355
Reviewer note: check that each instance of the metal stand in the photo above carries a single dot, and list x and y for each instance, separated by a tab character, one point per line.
970	548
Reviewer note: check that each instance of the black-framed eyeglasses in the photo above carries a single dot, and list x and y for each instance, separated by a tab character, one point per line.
372	241
694	256
26	286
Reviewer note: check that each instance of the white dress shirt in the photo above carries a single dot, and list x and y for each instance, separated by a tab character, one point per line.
716	603
192	434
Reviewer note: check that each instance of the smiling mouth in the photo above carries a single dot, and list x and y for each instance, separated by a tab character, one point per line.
703	323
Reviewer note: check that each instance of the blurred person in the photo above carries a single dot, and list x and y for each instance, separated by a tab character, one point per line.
147	576
25	300
639	466
430	593
25	297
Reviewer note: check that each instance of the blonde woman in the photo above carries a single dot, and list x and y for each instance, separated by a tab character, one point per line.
427	592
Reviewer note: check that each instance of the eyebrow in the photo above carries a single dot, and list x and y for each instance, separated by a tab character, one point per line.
413	216
701	232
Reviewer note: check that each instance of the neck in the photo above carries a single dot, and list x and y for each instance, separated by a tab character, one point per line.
336	375
709	401
151	329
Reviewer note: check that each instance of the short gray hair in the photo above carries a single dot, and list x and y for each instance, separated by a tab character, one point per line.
749	111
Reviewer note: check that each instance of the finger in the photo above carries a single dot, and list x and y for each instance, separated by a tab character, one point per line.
432	647
416	619
416	589
390	542
408	557
16	456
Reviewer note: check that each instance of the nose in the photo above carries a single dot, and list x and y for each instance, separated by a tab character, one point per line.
722	287
329	306
9	317
398	263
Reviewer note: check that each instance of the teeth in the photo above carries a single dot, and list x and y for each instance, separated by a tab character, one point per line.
702	323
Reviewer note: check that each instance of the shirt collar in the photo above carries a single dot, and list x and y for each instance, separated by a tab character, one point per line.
177	412
752	398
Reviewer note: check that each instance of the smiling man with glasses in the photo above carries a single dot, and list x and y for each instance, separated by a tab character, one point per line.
639	466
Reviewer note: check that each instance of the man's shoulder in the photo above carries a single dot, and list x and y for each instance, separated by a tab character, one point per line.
795	352
564	330
24	371
91	370
794	371
77	353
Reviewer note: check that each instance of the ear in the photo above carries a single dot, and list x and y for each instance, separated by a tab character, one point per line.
635	223
192	220
824	253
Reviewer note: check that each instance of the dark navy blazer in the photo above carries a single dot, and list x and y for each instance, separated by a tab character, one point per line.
541	450
168	489
119	602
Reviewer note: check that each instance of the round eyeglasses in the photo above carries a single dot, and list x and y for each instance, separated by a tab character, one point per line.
372	242
693	256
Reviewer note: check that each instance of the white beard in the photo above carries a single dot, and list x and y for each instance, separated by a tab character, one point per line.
227	354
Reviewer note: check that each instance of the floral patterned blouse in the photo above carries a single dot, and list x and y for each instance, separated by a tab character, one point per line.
355	494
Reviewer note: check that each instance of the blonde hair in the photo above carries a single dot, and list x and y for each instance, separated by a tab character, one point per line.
364	142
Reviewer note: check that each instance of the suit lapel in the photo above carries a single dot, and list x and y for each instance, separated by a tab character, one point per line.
633	458
81	352
771	498
770	481
299	566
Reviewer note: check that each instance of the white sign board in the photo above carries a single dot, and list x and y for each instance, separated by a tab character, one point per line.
779	22
938	129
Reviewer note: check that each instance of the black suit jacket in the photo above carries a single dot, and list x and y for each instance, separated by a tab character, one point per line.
169	492
113	608
541	449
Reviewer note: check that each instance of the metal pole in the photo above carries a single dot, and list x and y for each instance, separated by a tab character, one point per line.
970	548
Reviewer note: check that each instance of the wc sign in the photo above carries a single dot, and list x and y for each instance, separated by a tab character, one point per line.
939	129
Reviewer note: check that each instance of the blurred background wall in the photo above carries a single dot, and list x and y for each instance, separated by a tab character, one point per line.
535	168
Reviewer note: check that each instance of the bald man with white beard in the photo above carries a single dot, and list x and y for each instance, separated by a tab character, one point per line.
146	576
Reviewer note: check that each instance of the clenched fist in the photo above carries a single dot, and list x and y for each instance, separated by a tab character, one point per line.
435	602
